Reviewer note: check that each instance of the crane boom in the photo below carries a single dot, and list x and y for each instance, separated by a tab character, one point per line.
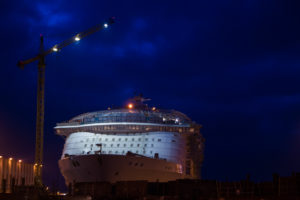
41	91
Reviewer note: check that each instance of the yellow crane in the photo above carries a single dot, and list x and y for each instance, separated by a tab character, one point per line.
41	90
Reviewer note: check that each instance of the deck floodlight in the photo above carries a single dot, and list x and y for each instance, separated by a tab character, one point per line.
105	25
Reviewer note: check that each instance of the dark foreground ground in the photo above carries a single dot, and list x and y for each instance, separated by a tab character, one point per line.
280	188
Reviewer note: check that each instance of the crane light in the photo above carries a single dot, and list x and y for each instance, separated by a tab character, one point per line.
55	49
105	25
77	38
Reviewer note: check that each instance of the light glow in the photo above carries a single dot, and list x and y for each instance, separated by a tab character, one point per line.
130	106
20	161
105	25
153	108
55	49
77	38
10	158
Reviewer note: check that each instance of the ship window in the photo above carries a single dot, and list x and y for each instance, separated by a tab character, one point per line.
152	145
123	152
131	145
109	151
116	152
136	151
106	139
99	139
113	139
81	140
124	145
119	139
91	145
152	139
103	152
146	139
82	152
87	140
145	145
118	145
139	139
151	152
173	141
132	139
159	140
125	139
104	145
111	145
93	139
138	145
144	152
85	145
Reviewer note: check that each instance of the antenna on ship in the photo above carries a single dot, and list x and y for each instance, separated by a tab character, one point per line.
40	57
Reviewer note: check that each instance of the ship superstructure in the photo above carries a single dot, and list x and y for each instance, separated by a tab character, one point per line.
132	143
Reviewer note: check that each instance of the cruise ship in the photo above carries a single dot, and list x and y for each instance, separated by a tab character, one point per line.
136	142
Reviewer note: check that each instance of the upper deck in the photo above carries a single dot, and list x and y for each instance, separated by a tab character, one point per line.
127	120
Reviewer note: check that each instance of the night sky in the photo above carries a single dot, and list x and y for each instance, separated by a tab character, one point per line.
232	66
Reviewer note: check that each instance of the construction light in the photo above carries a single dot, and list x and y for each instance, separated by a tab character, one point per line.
130	106
10	158
0	156
20	161
55	49
105	25
77	38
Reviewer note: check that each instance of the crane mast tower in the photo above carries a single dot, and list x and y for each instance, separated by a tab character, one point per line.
39	138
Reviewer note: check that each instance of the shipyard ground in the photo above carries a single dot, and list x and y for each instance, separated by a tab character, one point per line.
280	188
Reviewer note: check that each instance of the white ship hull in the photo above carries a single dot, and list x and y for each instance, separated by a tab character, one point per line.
113	168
